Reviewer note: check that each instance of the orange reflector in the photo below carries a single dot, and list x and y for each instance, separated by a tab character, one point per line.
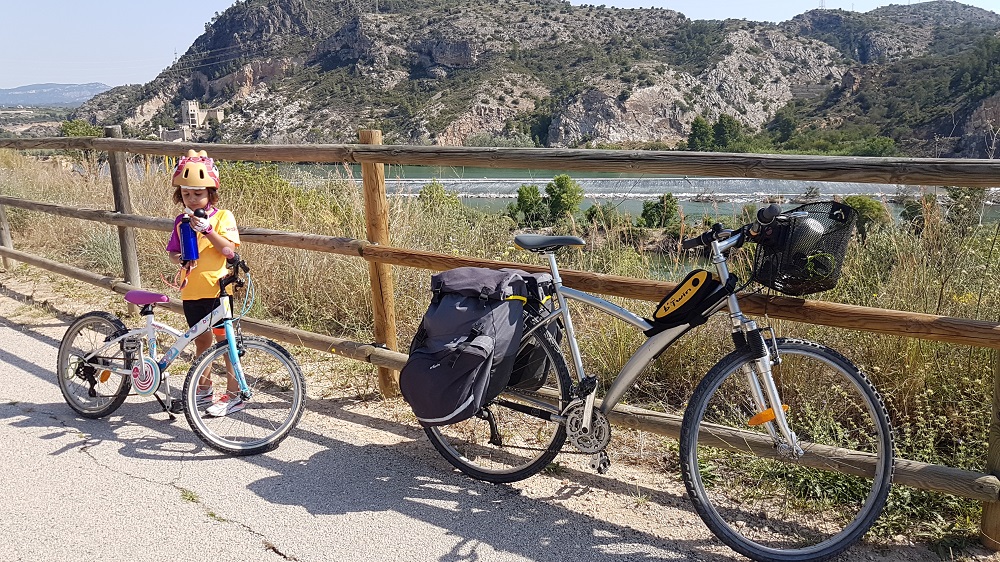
105	375
765	416
220	332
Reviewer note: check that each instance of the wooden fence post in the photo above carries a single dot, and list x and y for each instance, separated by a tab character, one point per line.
5	239
989	526
123	204
377	222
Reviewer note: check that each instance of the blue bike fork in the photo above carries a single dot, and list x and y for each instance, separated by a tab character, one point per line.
234	358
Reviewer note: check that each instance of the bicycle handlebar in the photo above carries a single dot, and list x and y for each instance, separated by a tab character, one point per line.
698	241
234	261
765	216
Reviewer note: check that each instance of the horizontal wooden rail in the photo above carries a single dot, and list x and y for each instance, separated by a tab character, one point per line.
965	483
353	350
946	329
906	171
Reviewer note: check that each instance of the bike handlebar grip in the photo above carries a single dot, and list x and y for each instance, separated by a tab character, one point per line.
704	239
233	260
767	214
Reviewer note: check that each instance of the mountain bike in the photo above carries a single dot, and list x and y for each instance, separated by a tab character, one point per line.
785	446
101	361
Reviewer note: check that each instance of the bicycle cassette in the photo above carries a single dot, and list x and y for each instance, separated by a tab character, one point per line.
596	439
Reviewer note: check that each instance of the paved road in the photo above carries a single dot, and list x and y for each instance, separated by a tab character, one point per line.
349	484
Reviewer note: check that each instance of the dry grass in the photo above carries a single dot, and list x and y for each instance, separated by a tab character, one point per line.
938	395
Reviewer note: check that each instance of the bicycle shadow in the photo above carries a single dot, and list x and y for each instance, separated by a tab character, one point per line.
396	479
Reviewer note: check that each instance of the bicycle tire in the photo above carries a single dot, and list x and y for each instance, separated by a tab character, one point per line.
81	382
529	442
780	510
271	412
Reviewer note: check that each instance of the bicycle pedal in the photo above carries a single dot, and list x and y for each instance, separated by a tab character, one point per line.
600	462
586	387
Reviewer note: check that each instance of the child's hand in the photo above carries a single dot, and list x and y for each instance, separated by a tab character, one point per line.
199	224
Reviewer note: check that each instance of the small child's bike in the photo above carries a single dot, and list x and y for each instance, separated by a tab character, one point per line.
101	361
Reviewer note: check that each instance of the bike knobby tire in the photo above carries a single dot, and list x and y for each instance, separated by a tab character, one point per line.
527	437
97	386
275	404
757	500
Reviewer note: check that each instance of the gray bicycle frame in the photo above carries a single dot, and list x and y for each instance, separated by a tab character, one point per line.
658	343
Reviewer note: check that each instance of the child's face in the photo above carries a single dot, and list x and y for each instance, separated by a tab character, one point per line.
195	198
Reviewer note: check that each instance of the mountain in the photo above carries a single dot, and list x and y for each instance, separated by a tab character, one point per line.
543	71
51	94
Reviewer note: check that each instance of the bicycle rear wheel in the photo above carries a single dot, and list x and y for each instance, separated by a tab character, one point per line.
275	404
93	385
526	437
764	504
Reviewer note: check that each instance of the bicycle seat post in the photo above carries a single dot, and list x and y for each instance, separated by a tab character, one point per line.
571	338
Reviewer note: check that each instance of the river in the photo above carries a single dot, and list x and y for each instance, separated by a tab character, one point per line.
494	189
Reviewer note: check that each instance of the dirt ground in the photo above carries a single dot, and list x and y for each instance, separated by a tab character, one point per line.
642	493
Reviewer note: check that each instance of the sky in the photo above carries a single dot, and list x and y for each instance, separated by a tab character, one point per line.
131	41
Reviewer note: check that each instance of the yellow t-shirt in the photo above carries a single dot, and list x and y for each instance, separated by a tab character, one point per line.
203	280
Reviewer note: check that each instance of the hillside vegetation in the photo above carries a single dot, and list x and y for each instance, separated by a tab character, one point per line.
544	72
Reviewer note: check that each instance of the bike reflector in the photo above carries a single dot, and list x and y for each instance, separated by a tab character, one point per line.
765	416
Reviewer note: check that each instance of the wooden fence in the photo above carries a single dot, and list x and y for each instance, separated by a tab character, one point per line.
376	250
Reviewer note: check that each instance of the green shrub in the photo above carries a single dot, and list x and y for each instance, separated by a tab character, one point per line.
531	209
564	197
871	213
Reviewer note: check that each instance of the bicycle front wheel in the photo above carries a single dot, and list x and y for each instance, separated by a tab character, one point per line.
94	385
272	409
759	499
519	433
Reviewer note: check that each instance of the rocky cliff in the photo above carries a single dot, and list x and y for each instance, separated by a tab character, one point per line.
443	71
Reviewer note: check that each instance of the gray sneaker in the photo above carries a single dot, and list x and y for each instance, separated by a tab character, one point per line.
225	405
204	397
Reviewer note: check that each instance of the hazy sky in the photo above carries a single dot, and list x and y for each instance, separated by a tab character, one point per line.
130	41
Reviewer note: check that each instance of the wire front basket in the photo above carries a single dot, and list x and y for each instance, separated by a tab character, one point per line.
805	254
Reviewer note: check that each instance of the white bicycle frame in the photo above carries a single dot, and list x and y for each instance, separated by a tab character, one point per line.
222	313
658	343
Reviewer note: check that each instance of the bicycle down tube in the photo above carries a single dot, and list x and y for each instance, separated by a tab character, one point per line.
658	343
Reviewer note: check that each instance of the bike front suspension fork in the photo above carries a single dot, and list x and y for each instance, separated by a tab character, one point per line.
764	390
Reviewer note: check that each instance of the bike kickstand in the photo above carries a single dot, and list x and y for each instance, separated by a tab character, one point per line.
167	409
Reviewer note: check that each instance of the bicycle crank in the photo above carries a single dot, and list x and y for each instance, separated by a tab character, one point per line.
594	441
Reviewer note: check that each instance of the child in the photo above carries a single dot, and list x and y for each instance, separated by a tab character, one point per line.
197	187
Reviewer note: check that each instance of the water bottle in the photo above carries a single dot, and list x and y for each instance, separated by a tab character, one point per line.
189	238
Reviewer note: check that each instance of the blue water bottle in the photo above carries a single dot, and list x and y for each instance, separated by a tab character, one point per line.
189	238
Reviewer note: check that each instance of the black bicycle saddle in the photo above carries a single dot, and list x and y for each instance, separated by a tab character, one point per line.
545	244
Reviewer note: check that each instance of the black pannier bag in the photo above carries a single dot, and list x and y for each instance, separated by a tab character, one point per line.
463	352
532	364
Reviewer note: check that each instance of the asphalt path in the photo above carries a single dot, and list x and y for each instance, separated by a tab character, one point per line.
350	483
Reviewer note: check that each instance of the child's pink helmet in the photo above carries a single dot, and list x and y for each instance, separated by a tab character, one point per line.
196	170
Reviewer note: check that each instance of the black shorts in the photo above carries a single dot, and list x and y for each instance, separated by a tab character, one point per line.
195	310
